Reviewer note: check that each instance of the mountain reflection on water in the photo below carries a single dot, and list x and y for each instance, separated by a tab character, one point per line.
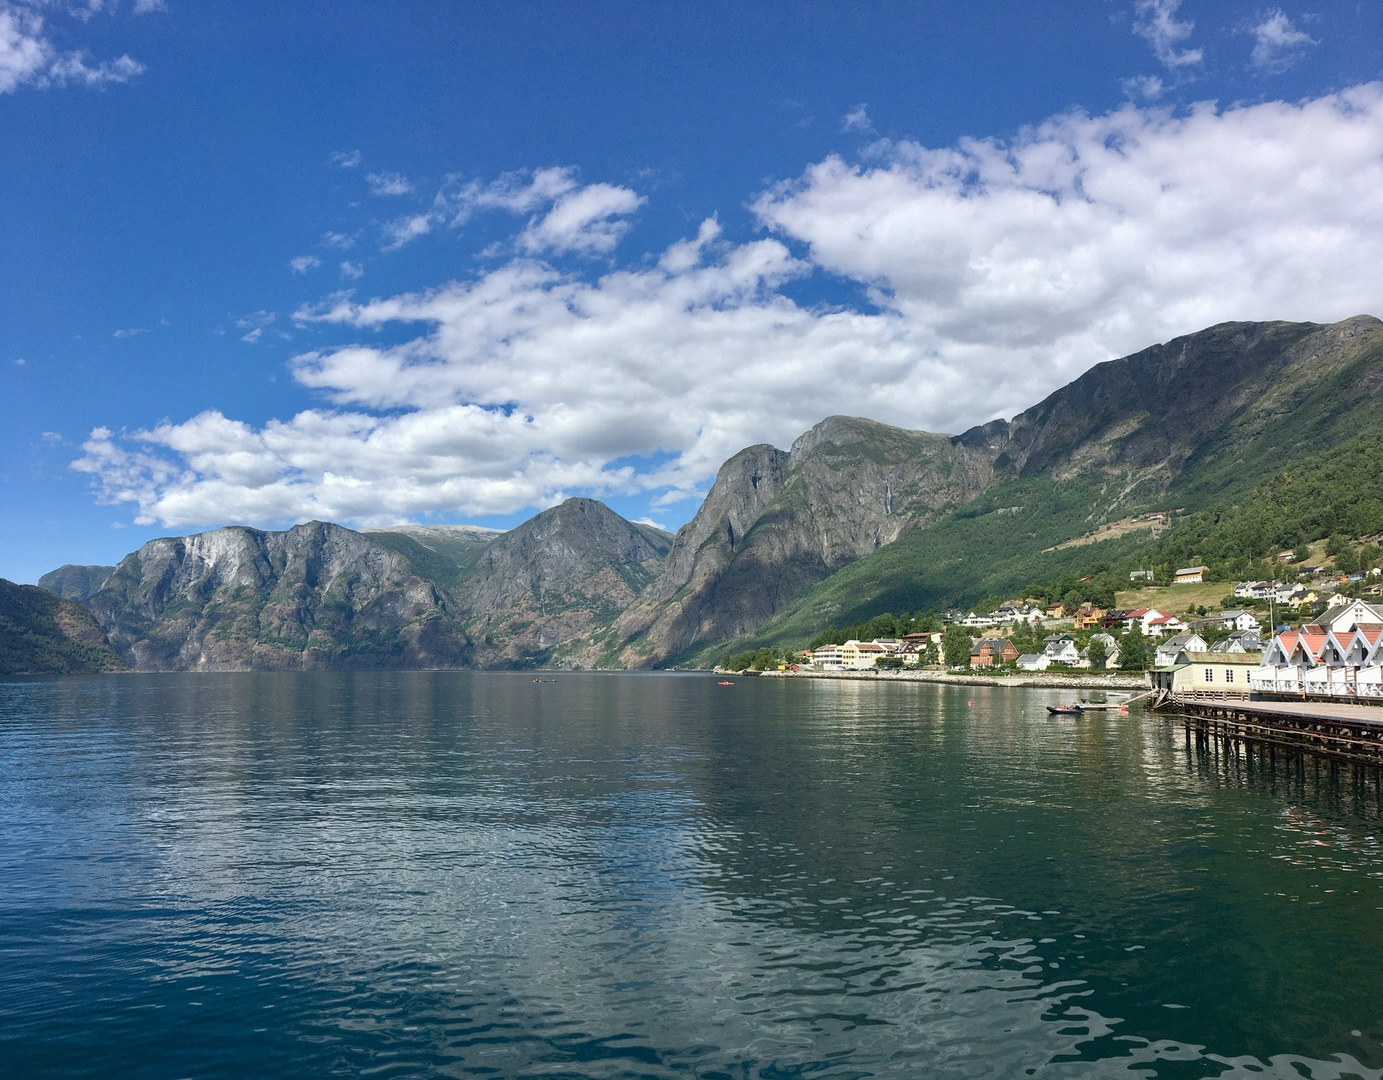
452	874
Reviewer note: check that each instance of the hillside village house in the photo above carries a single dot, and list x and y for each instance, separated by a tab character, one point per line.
989	652
1140	575
1061	649
1239	619
1152	623
1166	653
1239	641
1191	575
1088	617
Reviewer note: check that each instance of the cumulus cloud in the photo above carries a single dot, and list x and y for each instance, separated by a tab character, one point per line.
27	56
301	264
389	184
352	271
996	272
1156	22
347	159
1277	44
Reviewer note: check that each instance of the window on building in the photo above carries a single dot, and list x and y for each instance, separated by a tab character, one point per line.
1210	674
1229	675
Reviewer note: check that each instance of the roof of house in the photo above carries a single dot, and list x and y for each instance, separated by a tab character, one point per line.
1180	640
1244	659
1031	657
1192	570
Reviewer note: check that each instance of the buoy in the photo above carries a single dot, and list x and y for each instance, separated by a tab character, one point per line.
969	703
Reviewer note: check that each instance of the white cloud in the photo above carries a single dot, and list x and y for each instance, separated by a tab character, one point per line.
1277	44
389	184
997	272
144	7
857	119
566	217
338	241
582	221
27	56
352	271
1147	87
1156	22
301	264
131	332
347	159
255	324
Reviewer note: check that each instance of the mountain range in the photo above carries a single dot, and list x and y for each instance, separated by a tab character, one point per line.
856	517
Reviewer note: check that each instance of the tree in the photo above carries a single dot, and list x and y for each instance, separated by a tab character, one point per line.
956	645
1097	653
1133	651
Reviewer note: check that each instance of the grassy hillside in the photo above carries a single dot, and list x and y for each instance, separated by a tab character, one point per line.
44	634
993	546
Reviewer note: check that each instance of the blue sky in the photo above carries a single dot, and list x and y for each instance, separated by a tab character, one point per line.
443	261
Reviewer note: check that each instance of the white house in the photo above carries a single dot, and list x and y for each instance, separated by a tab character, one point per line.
1061	649
1033	662
1191	575
1238	619
1164	624
1166	652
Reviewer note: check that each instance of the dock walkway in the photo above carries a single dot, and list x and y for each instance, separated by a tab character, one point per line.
1343	730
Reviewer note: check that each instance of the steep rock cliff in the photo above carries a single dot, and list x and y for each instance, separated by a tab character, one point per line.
776	522
236	598
547	589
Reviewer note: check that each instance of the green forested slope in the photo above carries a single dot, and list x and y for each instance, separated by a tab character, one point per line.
45	634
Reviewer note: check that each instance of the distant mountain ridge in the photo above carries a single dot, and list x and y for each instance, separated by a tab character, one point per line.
857	515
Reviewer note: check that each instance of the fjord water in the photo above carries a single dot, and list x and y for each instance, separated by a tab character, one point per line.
455	874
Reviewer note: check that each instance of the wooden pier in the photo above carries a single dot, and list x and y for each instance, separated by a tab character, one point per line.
1350	732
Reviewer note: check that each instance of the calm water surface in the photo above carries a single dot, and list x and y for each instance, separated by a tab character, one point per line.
464	874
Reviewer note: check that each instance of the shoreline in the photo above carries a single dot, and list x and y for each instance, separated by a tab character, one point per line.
1030	681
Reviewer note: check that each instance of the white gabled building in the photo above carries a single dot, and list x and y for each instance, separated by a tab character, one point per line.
1338	656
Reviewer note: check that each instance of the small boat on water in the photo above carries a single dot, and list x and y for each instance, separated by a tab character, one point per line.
1065	710
725	682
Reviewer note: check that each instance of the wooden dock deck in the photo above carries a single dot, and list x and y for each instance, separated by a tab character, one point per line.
1344	730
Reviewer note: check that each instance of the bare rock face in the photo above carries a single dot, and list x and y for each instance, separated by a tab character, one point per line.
236	598
549	589
775	523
